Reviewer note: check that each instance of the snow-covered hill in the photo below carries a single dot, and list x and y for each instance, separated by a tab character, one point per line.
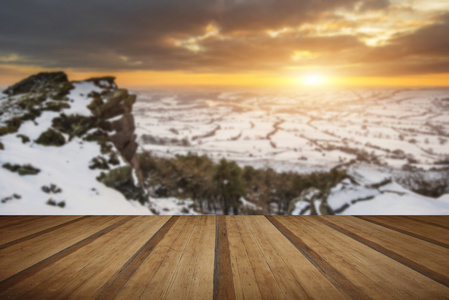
371	191
68	148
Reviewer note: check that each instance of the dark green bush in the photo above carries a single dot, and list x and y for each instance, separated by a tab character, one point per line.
99	163
51	138
51	189
62	91
73	125
22	170
12	125
94	104
52	202
56	106
24	138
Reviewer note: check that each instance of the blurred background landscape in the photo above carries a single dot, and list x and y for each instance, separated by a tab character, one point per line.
224	107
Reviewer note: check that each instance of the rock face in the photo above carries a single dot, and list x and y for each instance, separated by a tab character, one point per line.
90	111
120	103
121	131
37	82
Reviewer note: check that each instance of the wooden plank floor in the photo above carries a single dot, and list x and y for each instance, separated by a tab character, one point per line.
218	257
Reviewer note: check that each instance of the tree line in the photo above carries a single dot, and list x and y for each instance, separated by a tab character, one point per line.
219	187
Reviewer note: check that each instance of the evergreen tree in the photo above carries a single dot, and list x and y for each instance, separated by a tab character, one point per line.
229	185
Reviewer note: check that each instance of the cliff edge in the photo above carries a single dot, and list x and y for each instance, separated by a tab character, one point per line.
69	147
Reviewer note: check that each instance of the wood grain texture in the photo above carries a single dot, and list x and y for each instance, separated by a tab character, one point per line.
70	270
115	283
295	275
223	281
159	284
89	280
202	281
138	283
377	275
439	221
422	257
340	281
8	221
21	230
426	232
193	276
16	268
224	257
60	222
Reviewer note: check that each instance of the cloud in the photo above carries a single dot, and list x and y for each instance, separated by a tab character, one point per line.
109	35
430	41
9	58
424	51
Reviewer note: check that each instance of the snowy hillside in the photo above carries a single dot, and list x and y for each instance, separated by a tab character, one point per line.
53	153
374	192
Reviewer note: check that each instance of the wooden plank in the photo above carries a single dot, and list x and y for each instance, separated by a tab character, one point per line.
159	284
40	248
65	222
19	267
8	221
151	279
267	282
272	283
21	228
439	221
109	257
115	283
187	268
426	258
429	233
223	281
376	274
48	280
245	283
333	275
202	286
119	260
297	277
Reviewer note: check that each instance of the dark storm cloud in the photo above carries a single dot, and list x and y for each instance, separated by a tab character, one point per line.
262	14
92	34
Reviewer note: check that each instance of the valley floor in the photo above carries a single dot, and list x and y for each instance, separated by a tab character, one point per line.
393	141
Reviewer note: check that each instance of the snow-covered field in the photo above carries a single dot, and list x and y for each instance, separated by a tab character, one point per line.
384	131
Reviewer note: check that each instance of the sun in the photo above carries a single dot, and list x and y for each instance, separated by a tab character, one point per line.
313	79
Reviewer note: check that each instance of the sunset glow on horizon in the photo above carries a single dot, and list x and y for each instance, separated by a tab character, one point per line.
313	80
349	43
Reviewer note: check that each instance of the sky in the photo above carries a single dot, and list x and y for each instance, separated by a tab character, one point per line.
280	43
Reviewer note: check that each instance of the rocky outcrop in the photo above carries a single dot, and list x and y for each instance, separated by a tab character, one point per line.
110	123
112	105
37	82
112	112
119	103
